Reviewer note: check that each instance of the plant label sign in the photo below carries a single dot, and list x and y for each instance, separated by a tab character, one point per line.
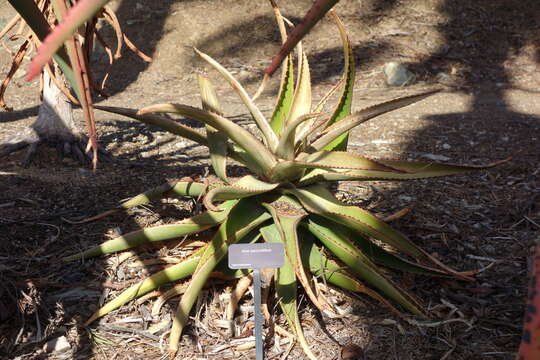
256	256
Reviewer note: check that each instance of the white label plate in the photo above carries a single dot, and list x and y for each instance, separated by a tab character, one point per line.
256	256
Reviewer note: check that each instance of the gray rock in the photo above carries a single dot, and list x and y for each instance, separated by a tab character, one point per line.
58	344
397	74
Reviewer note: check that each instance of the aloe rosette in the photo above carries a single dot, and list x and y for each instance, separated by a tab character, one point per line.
287	198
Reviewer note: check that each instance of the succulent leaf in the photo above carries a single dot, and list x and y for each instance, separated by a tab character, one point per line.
317	199
344	125
192	225
376	253
285	280
217	142
258	152
245	187
172	273
260	120
159	121
173	127
286	85
301	104
362	266
346	160
294	169
288	170
243	218
174	189
427	169
402	170
323	266
287	142
285	97
343	107
287	214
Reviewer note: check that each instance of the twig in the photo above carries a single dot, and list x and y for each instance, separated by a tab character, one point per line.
397	215
289	349
532	222
130	330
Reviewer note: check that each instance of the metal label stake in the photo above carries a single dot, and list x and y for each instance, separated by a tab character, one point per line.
256	257
258	315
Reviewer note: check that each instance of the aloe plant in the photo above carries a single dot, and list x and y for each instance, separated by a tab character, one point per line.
287	198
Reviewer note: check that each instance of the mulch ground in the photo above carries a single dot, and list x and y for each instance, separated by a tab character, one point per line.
486	54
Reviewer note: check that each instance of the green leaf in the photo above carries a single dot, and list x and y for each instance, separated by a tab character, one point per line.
317	124
402	170
344	125
285	280
287	213
293	170
345	160
301	104
159	121
332	271
319	200
245	187
286	85
343	107
376	253
174	189
172	126
192	225
172	273
243	218
257	151
285	97
286	145
427	169
262	123
217	142
362	266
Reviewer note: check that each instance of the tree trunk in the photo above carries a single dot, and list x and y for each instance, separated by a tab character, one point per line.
55	117
54	125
